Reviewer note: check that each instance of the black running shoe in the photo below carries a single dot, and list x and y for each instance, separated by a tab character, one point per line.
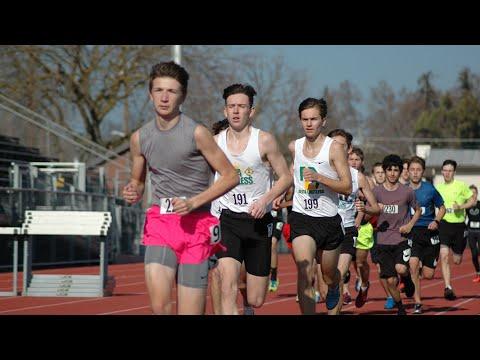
449	294
401	311
417	309
409	286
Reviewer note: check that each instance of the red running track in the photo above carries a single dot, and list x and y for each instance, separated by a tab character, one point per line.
130	297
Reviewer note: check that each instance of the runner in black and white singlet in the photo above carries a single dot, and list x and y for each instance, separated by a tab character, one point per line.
179	232
473	228
348	211
320	173
246	222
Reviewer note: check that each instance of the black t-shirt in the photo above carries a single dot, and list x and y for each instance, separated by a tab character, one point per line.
473	217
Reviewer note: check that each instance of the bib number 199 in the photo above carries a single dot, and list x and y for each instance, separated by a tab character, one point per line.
311	204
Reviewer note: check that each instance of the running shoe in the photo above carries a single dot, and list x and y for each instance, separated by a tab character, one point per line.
248	310
273	285
333	296
417	309
449	294
347	299
401	311
389	304
476	279
362	297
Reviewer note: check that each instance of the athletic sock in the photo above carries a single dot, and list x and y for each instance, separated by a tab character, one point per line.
273	274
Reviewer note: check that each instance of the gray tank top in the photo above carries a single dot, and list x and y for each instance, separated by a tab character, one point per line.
177	168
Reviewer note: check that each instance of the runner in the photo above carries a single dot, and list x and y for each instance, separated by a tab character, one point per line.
321	172
473	225
426	243
378	175
246	222
348	212
394	225
179	232
452	229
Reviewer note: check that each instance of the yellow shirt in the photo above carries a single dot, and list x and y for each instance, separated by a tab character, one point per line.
456	191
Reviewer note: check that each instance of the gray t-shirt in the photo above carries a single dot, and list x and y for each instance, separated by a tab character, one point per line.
177	168
395	213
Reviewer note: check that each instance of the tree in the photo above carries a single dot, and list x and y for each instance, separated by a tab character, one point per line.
427	92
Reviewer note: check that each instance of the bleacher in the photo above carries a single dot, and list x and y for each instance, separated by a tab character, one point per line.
12	151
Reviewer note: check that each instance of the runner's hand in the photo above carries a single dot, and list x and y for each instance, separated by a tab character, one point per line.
310	175
258	209
433	226
405	229
182	206
131	193
359	205
276	203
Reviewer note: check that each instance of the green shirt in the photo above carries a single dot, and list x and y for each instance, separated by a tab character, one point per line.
456	191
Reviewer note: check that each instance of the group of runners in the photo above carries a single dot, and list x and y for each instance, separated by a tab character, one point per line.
221	195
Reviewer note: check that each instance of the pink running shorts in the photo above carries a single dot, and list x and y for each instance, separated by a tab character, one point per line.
193	237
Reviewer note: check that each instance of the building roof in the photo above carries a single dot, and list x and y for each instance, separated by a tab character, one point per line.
464	157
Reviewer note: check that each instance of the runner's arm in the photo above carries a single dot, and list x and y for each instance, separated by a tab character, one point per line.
133	191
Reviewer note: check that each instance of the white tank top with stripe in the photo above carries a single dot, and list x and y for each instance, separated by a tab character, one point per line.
255	177
313	198
346	204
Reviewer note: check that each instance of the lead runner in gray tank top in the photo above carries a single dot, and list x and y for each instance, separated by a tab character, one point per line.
177	168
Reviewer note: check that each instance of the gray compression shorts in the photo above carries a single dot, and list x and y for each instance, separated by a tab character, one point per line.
188	275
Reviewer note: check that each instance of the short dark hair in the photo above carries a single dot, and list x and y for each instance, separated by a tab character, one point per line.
417	160
343	133
392	160
240	89
473	187
219	126
309	103
170	69
450	162
357	151
377	164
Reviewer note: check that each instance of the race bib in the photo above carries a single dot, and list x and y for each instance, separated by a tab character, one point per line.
390	209
475	224
450	211
274	213
406	254
435	240
410	242
214	234
279	226
270	230
166	206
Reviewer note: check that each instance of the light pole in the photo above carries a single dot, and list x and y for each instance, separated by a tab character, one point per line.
177	54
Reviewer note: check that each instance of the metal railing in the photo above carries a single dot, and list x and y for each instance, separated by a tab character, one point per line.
124	236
